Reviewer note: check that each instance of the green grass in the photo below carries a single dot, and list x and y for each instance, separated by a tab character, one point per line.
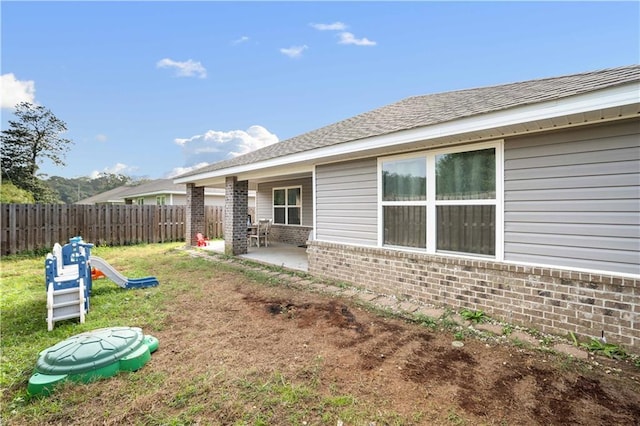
254	399
609	350
23	306
426	321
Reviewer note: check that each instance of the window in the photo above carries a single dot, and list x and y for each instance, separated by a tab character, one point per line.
404	196
287	205
161	200
140	201
465	201
405	180
441	201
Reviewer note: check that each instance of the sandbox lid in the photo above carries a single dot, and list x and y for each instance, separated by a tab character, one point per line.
92	355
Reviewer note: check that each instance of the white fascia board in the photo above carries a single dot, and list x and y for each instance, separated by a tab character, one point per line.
618	96
251	171
151	194
207	192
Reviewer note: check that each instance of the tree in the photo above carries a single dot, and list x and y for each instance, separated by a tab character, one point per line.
106	181
75	189
27	142
9	193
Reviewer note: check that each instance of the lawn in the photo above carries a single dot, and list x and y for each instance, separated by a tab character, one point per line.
242	344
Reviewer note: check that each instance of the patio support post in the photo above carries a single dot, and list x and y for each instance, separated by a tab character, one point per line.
195	213
236	208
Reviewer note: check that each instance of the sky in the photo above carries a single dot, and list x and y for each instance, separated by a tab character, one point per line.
155	89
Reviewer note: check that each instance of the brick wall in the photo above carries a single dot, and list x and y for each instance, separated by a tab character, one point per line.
296	235
194	221
235	216
550	300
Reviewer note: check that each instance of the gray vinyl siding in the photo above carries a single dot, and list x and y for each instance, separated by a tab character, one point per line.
572	198
347	198
264	199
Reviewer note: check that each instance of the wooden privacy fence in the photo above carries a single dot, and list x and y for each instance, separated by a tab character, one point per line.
26	227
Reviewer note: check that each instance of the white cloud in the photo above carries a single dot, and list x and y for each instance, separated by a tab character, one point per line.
294	51
177	171
101	137
188	68
348	38
336	26
14	91
345	37
119	169
242	39
214	146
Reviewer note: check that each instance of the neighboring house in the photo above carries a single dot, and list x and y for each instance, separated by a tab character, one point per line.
112	196
521	200
157	192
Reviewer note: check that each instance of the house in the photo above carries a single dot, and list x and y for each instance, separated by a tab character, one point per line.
110	197
157	192
521	200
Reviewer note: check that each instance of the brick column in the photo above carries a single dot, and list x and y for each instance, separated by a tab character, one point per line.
195	213
236	201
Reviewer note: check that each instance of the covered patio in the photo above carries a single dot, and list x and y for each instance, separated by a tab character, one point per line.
279	254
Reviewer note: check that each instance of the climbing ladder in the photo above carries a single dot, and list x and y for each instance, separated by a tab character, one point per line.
68	282
65	303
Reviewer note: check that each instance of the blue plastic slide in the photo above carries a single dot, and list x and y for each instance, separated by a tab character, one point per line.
118	278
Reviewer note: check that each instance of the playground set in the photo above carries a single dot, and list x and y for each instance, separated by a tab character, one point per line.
69	274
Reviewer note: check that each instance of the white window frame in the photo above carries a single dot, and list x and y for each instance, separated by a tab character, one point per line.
382	203
161	200
286	204
431	203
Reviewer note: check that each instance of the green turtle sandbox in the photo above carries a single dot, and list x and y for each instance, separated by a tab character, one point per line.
92	355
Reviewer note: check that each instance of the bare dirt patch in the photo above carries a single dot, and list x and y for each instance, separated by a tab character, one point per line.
225	332
391	363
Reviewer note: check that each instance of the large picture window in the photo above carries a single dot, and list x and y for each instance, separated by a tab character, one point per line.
287	205
441	201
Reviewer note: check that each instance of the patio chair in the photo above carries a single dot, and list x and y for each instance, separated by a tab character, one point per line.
262	232
201	240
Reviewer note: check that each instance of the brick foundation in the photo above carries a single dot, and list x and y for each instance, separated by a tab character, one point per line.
550	300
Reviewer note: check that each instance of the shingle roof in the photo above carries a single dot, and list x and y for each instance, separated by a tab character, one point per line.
154	187
111	196
161	186
426	110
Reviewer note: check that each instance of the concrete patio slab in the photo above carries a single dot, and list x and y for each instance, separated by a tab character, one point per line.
278	254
